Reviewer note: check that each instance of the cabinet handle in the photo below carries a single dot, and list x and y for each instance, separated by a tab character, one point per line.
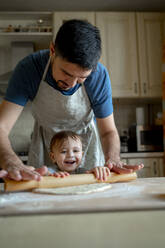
135	88
144	88
155	168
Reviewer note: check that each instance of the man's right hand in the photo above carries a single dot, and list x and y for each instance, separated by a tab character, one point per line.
17	171
3	173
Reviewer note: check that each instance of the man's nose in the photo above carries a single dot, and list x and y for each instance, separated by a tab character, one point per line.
73	82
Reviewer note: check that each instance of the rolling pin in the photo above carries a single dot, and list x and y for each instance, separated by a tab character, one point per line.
72	180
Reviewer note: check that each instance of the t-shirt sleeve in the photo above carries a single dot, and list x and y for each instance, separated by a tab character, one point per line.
22	84
100	93
17	91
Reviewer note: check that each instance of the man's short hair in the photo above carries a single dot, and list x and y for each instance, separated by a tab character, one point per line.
79	42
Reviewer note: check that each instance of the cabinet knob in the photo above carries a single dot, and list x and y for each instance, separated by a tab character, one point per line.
135	88
155	167
145	88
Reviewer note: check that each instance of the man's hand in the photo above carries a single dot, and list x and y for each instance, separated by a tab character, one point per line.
3	173
18	171
121	167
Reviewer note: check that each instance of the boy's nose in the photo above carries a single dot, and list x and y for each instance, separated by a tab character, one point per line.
70	153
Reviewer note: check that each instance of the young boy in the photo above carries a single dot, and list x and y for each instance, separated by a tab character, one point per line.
66	152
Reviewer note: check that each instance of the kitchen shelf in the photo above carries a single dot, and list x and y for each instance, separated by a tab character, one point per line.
33	27
26	33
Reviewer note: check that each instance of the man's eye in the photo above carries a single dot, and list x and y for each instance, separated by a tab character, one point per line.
81	80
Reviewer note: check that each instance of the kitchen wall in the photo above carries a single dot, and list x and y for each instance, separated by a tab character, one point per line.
125	111
21	134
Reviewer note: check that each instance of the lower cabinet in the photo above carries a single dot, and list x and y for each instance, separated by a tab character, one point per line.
153	167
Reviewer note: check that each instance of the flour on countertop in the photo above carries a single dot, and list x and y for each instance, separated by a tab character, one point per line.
122	196
118	190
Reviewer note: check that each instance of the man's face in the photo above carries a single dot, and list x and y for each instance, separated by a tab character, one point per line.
67	74
68	155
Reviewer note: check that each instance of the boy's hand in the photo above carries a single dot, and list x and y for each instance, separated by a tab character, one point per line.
61	174
101	172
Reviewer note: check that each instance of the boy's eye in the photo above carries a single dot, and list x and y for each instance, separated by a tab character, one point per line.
76	151
63	152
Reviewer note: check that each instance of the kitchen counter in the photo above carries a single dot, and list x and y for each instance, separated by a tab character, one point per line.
140	194
127	215
142	155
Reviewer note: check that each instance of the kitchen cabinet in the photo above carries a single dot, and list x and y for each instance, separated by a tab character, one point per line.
22	27
153	163
151	33
132	52
119	51
151	166
60	17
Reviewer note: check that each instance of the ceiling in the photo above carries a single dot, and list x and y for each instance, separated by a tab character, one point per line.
82	5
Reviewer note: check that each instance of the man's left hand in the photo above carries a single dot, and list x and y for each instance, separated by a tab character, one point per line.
121	167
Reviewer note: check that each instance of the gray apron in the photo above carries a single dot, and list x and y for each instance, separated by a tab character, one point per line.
54	112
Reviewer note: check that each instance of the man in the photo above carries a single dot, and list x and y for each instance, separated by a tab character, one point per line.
67	87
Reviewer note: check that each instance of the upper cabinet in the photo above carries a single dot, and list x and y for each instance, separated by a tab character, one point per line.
119	51
132	52
151	32
131	45
60	17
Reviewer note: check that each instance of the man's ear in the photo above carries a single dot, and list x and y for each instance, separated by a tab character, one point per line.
52	50
52	157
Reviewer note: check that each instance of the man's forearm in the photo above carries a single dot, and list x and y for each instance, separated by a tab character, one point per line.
7	155
111	146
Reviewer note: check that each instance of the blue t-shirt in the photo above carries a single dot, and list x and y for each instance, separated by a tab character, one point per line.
26	78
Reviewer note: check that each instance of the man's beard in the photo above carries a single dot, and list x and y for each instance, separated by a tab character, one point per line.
62	85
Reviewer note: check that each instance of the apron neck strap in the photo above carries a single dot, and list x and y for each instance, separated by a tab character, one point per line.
46	69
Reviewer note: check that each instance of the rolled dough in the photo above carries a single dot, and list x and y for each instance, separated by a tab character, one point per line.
75	190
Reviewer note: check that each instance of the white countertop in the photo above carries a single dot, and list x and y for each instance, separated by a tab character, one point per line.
130	196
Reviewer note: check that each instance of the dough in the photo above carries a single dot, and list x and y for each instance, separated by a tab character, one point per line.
75	190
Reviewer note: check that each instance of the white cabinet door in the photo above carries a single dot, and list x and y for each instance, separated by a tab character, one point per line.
151	32
119	51
151	166
60	17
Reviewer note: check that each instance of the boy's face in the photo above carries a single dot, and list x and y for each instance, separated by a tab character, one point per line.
67	156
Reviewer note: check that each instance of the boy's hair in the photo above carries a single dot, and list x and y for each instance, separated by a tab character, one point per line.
79	42
60	137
